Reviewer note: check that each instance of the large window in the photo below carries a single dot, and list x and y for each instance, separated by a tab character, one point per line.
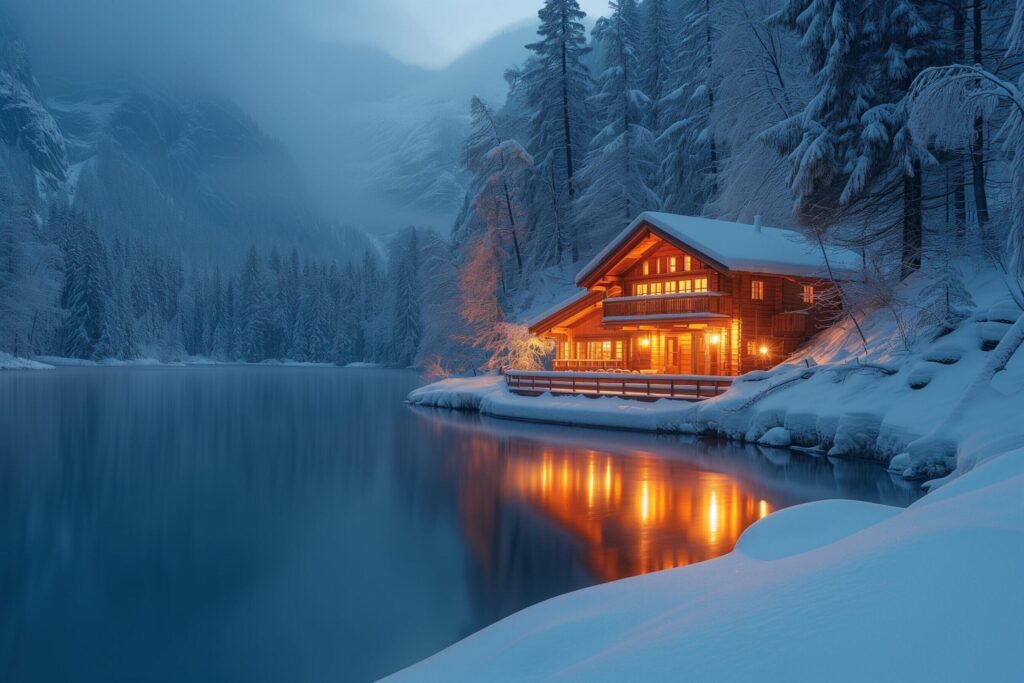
757	290
700	284
640	289
686	285
808	294
670	287
657	287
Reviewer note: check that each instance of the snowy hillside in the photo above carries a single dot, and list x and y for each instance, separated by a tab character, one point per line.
25	122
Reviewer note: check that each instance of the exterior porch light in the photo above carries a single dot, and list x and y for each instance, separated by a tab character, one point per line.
763	350
645	342
715	339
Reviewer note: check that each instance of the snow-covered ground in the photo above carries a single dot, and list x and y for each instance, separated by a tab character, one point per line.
915	404
9	362
828	591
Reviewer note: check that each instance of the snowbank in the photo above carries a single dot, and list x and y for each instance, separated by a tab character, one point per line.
834	590
9	362
902	404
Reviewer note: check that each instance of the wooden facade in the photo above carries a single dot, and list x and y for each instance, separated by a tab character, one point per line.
655	304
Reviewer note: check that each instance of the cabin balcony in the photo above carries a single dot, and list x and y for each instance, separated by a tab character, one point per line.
687	305
587	364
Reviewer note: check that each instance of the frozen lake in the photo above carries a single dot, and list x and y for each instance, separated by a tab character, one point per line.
303	524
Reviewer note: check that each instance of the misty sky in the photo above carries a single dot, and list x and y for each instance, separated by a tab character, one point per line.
301	68
424	32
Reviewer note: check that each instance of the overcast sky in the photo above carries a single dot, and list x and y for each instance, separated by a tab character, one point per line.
446	28
424	32
290	64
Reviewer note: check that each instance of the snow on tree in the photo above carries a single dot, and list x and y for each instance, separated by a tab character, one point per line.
688	169
618	174
557	85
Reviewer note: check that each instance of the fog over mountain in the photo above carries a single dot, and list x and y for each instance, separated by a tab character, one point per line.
376	138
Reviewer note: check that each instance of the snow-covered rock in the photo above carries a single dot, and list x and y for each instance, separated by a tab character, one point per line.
776	436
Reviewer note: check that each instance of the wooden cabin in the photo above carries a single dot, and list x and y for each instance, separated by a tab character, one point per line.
692	296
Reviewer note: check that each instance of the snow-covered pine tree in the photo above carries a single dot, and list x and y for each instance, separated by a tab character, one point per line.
619	170
406	323
557	85
253	310
849	148
688	168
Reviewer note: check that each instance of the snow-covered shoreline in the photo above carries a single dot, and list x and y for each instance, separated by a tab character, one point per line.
843	396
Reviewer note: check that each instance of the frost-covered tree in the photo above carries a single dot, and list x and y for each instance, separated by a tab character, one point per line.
689	164
850	143
557	86
619	171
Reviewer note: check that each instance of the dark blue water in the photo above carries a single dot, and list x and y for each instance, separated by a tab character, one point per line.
304	524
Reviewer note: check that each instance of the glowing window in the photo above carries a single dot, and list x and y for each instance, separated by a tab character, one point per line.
640	290
687	263
808	294
618	349
670	287
672	264
686	285
606	350
647	267
657	288
757	290
700	284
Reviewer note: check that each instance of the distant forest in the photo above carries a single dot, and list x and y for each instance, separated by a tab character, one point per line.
893	127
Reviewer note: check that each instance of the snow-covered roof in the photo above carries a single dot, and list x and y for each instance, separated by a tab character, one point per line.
577	297
739	247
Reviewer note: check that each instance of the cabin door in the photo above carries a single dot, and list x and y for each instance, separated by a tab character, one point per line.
672	355
701	357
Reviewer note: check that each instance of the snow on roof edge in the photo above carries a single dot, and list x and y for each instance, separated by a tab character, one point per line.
843	262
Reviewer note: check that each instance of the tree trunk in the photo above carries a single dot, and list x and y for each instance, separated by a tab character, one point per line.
910	257
712	147
978	143
959	173
567	131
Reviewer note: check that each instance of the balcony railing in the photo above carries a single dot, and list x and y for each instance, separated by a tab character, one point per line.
587	364
668	305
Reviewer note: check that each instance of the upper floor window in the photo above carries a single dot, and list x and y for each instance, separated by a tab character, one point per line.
670	287
757	290
687	263
808	294
640	289
700	284
686	285
672	264
657	287
647	267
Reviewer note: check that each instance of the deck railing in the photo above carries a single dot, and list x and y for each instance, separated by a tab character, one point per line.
667	304
586	364
623	384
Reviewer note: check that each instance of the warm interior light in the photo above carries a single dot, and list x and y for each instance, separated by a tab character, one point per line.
645	342
763	350
715	339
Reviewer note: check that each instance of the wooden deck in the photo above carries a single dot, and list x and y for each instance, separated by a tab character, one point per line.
623	384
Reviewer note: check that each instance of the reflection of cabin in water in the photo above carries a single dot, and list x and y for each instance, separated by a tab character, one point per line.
677	295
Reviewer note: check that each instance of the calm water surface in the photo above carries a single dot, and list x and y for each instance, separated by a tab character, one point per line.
303	524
